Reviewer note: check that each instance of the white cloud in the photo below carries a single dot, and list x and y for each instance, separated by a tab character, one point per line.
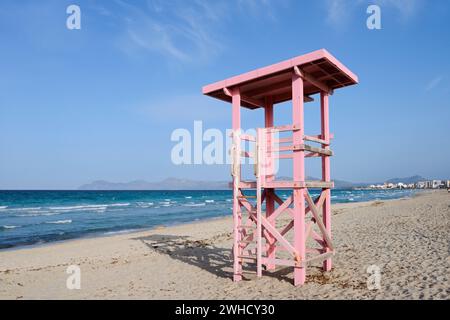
185	31
100	10
337	11
433	83
261	8
407	8
160	29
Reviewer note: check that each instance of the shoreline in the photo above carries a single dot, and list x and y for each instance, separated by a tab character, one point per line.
148	229
408	239
117	233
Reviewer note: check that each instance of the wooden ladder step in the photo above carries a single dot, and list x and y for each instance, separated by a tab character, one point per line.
322	151
299	147
247	257
289	127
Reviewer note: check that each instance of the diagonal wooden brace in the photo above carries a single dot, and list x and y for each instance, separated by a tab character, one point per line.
319	221
283	207
280	202
277	235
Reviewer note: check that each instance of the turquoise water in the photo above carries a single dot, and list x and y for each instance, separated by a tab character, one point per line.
37	217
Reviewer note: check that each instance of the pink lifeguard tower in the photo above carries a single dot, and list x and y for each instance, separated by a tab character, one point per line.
305	236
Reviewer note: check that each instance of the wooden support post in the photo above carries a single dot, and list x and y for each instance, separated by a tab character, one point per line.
237	215
268	121
299	175
260	149
325	124
278	83
270	201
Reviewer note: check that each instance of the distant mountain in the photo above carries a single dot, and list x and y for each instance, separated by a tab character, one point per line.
407	180
341	184
182	184
167	184
186	184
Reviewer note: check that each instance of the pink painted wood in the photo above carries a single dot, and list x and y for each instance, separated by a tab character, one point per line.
259	137
270	202
237	220
326	176
279	67
299	175
294	79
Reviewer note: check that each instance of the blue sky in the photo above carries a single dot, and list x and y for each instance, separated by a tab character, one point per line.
102	102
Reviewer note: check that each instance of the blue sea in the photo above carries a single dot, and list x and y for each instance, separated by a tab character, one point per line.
38	217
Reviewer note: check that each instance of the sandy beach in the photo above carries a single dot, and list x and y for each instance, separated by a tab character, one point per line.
408	239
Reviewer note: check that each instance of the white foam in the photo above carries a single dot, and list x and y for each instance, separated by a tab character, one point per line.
10	227
144	204
119	204
25	209
3	207
85	207
189	197
39	214
209	201
89	207
194	204
60	221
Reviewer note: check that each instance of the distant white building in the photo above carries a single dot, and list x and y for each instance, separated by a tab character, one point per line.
429	184
421	184
436	184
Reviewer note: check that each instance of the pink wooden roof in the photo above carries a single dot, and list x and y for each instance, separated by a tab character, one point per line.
275	80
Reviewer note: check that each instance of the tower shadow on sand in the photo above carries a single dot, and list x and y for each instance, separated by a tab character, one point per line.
199	253
202	254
